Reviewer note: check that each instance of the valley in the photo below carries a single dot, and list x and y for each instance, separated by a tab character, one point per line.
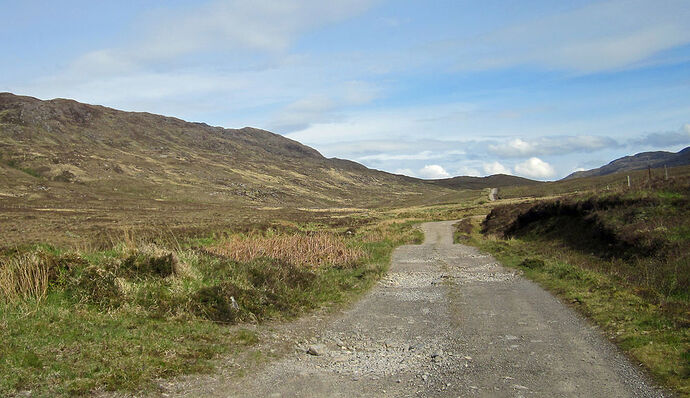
146	255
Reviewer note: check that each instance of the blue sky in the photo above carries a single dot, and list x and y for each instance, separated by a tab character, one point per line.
429	89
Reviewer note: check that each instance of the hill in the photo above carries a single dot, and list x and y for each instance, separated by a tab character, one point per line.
638	162
492	181
73	160
65	142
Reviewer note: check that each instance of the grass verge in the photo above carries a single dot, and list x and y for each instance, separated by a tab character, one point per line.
120	318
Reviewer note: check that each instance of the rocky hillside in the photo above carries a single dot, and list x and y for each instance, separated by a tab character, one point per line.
638	162
61	151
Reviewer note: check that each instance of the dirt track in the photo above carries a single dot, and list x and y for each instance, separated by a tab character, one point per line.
447	321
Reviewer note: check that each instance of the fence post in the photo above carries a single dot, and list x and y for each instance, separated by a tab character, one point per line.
628	181
665	173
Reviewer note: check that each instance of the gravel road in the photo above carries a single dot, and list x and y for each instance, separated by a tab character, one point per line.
447	321
493	194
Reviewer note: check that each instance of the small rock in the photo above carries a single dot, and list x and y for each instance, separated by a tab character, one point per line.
316	349
425	377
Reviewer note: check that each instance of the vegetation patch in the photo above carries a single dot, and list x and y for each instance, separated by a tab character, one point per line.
307	250
74	322
463	230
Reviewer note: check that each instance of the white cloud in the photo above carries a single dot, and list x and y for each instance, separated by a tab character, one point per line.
666	139
596	37
323	108
467	171
535	168
551	145
424	155
514	147
224	25
302	113
495	168
432	171
359	92
407	172
393	124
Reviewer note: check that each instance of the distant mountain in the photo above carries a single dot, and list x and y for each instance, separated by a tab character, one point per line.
638	162
62	151
492	181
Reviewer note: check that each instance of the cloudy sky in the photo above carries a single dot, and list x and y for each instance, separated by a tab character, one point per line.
424	88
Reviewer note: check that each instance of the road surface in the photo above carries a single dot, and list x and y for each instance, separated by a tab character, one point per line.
493	194
447	321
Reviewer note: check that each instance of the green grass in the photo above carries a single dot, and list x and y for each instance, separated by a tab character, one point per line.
54	350
117	319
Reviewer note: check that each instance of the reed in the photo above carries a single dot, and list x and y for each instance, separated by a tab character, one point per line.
23	277
314	250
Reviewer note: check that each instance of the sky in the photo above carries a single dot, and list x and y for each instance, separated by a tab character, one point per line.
430	89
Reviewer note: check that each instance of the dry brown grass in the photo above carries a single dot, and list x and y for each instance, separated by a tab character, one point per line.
313	250
23	277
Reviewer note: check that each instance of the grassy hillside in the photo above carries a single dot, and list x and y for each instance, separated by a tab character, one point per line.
639	179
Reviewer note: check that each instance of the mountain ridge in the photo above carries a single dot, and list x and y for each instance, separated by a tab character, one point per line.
639	161
493	181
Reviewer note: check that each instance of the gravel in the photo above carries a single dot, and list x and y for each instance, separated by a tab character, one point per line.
446	321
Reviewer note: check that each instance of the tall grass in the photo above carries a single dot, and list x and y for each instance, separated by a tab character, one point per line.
23	277
313	250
